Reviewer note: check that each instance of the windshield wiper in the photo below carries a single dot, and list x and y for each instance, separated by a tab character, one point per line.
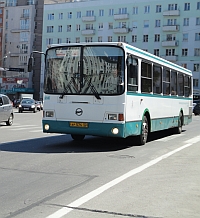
92	88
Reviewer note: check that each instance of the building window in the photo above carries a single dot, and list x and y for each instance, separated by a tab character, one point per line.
109	38
68	40
196	67
60	28
88	39
184	65
157	23
135	10
172	7
186	6
145	38
69	28
77	39
171	37
78	27
146	23
122	10
198	5
101	13
59	40
157	38
186	22
121	38
60	16
100	26
195	82
110	26
197	36
99	38
111	12
147	9
89	26
78	14
158	8
49	29
184	52
156	52
170	52
49	41
69	15
134	38
185	37
198	21
90	13
50	16
197	52
171	22
134	24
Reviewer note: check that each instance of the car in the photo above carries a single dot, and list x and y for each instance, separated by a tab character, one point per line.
196	109
6	110
41	104
27	105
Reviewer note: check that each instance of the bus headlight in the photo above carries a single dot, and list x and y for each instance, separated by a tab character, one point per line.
115	131
46	126
49	114
112	116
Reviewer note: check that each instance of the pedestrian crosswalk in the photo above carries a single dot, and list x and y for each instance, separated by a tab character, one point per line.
29	128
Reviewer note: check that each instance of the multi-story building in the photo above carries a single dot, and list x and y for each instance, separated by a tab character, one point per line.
167	29
22	33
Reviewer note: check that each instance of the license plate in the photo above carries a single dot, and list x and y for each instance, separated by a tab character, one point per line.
78	124
26	109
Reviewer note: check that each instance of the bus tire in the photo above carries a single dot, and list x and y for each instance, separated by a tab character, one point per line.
77	137
144	131
178	129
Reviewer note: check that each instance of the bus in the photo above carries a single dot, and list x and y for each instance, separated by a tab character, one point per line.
113	89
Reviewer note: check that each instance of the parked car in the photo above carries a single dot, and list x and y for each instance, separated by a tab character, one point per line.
196	109
6	110
16	103
28	105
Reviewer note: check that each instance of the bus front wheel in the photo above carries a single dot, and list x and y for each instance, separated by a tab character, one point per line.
144	132
77	137
178	129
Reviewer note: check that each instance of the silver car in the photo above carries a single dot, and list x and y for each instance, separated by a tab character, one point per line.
6	110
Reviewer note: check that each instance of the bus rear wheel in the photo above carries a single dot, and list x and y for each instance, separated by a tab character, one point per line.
77	137
144	132
178	129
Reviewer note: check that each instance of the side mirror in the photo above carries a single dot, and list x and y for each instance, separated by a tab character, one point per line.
30	64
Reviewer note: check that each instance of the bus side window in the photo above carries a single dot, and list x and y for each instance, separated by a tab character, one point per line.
146	78
132	75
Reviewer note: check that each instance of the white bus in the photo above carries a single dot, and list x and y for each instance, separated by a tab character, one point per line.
113	90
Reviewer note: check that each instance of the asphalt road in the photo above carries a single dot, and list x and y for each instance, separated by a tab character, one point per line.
44	175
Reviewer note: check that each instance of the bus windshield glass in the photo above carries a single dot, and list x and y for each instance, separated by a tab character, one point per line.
84	70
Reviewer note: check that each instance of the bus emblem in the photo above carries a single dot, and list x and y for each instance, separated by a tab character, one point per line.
79	112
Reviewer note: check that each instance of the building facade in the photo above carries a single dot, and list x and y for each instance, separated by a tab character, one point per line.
169	30
22	34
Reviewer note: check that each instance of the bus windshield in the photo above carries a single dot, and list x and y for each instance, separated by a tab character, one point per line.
84	70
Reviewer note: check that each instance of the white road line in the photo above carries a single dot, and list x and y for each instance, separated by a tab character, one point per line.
65	210
22	128
40	130
168	138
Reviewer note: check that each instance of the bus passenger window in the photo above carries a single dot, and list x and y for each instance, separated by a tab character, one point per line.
157	79
132	72
166	81
146	78
180	84
187	88
173	83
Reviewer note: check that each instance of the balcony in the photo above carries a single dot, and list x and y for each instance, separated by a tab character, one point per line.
170	43
171	28
172	58
88	18
121	16
171	13
120	30
88	32
14	54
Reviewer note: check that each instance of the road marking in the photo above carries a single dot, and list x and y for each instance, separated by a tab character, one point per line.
40	130
168	138
65	210
22	128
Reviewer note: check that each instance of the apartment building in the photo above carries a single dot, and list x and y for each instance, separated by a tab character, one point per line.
167	29
22	34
